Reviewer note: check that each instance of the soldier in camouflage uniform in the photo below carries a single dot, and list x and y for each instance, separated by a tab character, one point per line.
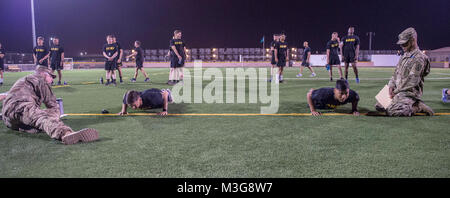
21	109
406	85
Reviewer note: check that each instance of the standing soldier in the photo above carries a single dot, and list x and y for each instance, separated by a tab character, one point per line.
332	55
406	85
57	58
22	109
350	51
40	53
119	58
138	54
110	52
177	58
305	60
281	56
273	44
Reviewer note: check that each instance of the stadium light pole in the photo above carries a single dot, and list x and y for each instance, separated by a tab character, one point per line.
33	23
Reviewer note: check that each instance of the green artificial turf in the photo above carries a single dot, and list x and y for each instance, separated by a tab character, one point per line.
234	146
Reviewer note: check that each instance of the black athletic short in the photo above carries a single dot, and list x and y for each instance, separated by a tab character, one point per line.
306	64
281	63
56	66
139	64
334	60
110	65
349	58
174	62
273	61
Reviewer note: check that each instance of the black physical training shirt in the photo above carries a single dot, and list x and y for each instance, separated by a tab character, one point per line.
55	53
333	46
110	49
151	99
282	48
40	52
305	53
323	98
350	43
139	55
2	51
274	45
179	45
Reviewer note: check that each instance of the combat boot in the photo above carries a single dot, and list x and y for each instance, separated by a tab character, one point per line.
83	135
423	108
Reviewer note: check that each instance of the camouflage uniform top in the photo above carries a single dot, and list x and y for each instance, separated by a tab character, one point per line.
408	78
31	90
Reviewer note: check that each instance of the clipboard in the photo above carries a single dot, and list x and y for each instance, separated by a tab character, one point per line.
383	97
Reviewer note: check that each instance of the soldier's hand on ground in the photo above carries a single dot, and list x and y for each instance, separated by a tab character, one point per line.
163	113
315	113
122	113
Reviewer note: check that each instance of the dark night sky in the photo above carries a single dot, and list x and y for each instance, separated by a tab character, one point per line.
83	24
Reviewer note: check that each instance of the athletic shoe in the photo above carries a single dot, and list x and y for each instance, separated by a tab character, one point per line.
270	80
313	75
83	135
281	81
357	80
171	82
147	79
107	83
299	75
101	80
59	83
331	78
328	67
65	83
445	96
1	83
121	81
133	80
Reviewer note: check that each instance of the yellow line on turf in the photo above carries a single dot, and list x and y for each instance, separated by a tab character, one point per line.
226	114
87	83
59	86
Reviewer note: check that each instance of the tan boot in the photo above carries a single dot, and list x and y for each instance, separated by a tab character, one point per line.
83	135
423	108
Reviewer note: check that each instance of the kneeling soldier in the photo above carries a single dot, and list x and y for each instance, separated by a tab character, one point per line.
22	109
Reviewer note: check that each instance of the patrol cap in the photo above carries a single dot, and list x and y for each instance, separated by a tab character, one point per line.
43	69
406	35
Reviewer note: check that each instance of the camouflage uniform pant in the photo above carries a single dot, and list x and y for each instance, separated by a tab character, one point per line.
30	118
401	106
